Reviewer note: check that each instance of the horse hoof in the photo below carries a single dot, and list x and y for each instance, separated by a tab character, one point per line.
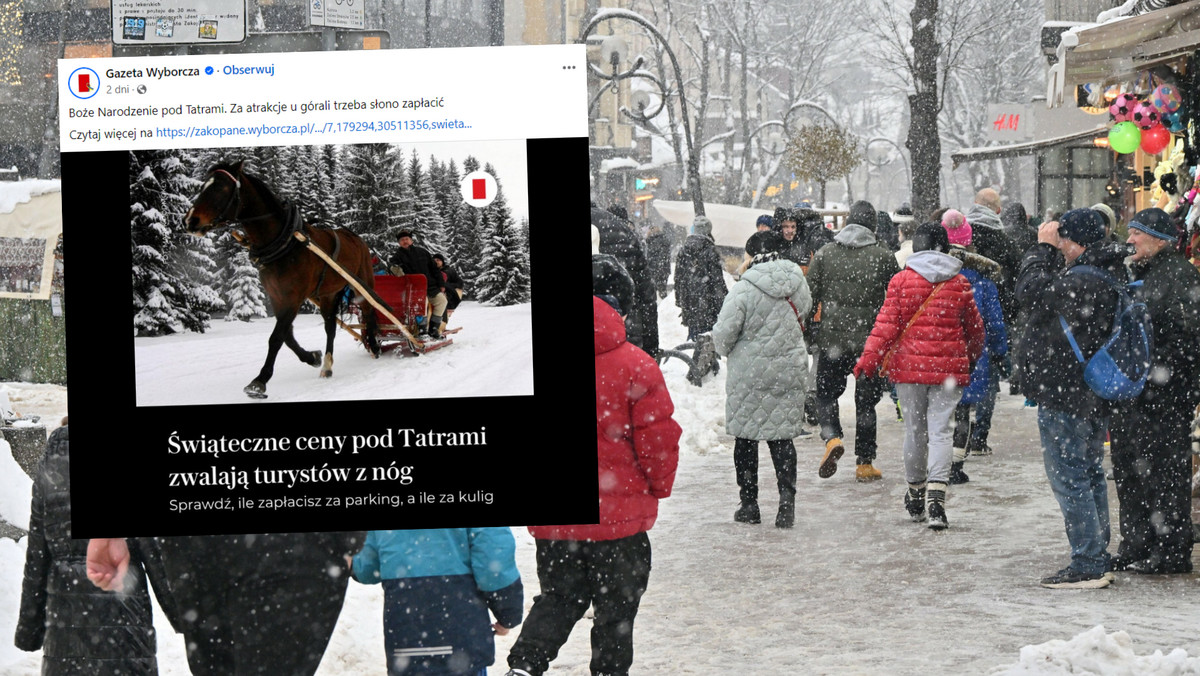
314	358
255	390
326	374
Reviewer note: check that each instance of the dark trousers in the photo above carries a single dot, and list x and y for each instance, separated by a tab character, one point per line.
609	575
1151	456
267	625
962	425
831	383
745	463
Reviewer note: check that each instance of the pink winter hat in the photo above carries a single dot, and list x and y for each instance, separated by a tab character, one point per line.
958	230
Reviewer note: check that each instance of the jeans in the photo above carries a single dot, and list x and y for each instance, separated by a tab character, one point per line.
1073	448
985	408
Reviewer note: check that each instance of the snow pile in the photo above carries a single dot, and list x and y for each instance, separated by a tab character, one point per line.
19	192
15	489
1096	653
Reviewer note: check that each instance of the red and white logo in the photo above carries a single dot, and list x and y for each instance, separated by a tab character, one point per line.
84	83
478	188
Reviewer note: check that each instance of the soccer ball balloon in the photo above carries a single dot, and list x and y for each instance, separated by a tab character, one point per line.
1122	107
1165	99
1144	116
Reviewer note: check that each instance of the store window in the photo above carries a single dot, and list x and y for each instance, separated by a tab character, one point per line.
1072	177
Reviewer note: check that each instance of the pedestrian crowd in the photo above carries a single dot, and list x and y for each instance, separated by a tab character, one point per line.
936	313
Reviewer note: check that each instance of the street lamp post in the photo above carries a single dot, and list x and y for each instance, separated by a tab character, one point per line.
693	162
893	144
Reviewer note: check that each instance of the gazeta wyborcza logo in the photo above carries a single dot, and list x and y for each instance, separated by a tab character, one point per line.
84	83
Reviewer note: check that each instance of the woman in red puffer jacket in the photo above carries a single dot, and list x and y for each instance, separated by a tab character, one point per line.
926	338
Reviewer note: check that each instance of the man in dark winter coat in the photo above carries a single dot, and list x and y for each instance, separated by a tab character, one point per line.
411	259
618	238
848	280
1072	420
1151	445
80	629
454	287
658	257
246	604
699	292
813	232
699	280
989	240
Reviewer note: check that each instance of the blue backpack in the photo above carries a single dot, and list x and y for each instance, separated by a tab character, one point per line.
1119	369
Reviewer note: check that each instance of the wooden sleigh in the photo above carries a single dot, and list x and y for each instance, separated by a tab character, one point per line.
401	308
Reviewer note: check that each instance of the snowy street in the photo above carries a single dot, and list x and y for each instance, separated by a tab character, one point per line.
854	588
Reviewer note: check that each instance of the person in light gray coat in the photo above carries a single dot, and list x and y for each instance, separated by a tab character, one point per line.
759	331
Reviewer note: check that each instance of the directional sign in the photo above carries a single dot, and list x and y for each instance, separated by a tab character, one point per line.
142	22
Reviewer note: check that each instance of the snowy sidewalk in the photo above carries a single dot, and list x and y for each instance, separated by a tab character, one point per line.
854	588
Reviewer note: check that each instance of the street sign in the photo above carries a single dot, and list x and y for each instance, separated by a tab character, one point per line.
178	22
337	13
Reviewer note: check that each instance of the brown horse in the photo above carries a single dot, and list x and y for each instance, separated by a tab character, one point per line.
290	273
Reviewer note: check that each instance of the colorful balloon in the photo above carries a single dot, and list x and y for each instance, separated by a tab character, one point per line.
1124	137
1122	107
1173	121
1144	116
1155	139
1165	99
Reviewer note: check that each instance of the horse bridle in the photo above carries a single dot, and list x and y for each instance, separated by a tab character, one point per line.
235	201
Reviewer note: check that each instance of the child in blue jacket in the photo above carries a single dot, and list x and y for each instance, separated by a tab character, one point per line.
438	586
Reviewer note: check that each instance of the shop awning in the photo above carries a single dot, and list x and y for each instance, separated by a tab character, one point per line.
1119	50
1027	148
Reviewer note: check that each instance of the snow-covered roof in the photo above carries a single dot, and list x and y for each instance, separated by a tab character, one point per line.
618	163
18	192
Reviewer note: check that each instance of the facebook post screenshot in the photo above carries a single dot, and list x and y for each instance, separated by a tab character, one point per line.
349	301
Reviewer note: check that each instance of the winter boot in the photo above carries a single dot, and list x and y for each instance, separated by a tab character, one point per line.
936	505
866	472
435	322
957	475
914	502
748	513
786	517
833	452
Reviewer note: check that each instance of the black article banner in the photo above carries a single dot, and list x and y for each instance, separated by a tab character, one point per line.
417	460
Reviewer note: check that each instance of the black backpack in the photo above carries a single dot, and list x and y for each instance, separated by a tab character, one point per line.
1119	369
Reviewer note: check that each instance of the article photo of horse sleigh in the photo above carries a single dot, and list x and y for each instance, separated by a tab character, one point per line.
298	261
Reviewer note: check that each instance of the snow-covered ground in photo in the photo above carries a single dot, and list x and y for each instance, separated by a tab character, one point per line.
491	356
854	588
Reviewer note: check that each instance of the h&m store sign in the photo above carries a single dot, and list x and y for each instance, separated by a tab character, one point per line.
1008	122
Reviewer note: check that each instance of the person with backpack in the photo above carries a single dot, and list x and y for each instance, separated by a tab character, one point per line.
1151	444
1072	419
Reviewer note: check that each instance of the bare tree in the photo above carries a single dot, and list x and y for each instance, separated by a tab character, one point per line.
923	54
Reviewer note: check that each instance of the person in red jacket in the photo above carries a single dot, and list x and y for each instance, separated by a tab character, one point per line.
606	565
926	339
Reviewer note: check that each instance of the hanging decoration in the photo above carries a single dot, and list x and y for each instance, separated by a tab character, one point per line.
1155	139
1122	107
1124	137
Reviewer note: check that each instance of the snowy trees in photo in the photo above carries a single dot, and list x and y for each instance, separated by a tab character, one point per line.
172	278
181	282
504	255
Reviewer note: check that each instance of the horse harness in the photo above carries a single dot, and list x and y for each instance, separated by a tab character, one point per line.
283	243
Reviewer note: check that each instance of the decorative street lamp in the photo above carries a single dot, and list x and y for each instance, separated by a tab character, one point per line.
614	56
